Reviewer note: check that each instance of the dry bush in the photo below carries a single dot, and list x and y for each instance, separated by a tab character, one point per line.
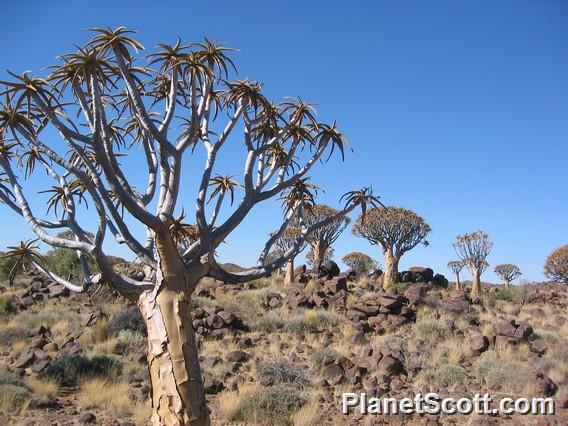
283	371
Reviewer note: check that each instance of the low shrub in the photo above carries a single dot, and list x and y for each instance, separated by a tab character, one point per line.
399	287
432	330
490	368
68	370
505	295
320	354
8	377
11	333
13	397
130	341
283	371
447	375
5	305
275	405
128	319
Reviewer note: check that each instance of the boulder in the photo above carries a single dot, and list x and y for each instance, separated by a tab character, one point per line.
328	269
389	366
440	281
333	374
538	346
238	356
376	274
478	345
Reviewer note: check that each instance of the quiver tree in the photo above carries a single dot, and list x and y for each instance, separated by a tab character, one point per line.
473	249
310	257
456	266
283	244
102	104
323	237
395	230
359	262
556	265
507	272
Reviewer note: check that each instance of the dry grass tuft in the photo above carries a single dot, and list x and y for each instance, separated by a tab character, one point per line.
46	387
107	395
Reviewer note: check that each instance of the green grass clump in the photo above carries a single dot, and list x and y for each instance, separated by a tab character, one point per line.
13	397
275	405
432	330
399	287
504	295
447	375
5	305
130	341
8	377
490	367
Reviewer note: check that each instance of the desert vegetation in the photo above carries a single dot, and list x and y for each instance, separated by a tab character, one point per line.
473	249
395	230
556	265
178	337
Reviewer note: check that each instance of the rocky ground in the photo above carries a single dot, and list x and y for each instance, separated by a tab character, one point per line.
283	355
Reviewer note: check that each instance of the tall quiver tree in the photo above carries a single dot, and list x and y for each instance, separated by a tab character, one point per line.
395	230
283	244
456	266
473	249
507	272
323	237
97	102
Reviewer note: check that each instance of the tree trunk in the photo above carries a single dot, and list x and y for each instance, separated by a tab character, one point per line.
507	284
476	284
458	283
391	269
178	395
289	277
319	250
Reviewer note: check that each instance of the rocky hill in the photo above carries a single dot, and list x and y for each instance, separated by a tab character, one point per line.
272	354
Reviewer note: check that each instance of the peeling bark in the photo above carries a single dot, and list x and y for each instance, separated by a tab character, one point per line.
476	284
391	269
289	277
458	283
178	395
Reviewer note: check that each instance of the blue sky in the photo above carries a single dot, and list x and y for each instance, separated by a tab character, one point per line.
457	110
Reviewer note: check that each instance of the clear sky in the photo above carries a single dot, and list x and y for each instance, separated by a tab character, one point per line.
456	110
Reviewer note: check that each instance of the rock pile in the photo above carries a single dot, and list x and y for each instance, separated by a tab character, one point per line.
216	322
386	311
328	293
509	333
